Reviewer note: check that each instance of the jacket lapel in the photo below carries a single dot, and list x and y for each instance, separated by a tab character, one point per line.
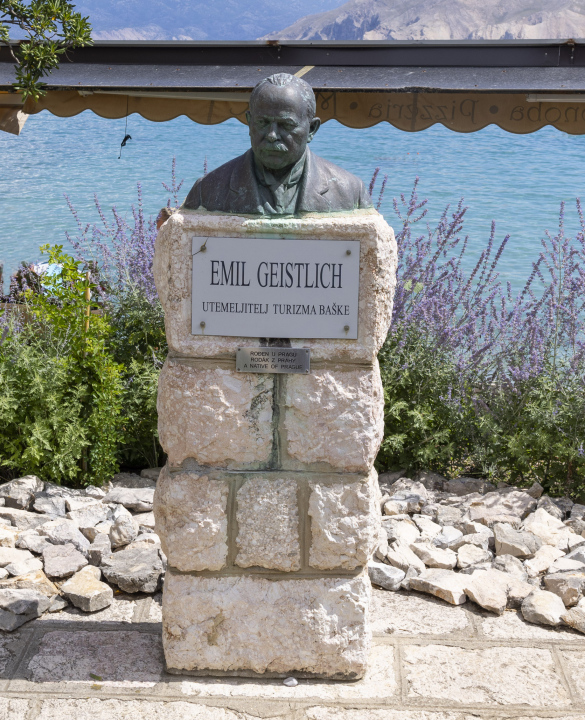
244	195
314	187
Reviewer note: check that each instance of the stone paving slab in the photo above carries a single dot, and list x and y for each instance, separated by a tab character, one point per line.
429	661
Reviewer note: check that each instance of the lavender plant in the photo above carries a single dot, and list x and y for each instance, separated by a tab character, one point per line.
477	379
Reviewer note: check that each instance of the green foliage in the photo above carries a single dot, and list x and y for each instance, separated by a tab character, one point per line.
62	390
51	28
436	418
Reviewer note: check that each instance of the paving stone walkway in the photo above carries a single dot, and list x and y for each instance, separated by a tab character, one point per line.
430	661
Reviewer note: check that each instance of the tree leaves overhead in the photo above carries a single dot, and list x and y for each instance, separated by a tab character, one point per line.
49	29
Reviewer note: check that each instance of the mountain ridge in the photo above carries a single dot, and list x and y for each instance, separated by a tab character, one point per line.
441	20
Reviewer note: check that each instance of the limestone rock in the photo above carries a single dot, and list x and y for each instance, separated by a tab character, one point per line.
488	589
97	493
430	480
21	519
80	502
314	626
386	576
446	515
344	524
548	504
132	480
23	567
136	499
469	555
190	511
410	488
102	528
89	516
535	490
565	564
402	531
7	537
568	586
99	549
61	561
512	542
151	473
428	529
11	555
86	591
20	493
542	560
133	571
123	530
578	554
64	532
444	584
511	565
496	508
401	556
549	529
36	580
49	504
447	537
543	607
214	415
268	524
20	606
577	525
465	485
349	403
578	512
145	521
480	540
575	617
172	271
434	557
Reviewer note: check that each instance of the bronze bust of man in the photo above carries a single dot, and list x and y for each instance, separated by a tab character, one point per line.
279	175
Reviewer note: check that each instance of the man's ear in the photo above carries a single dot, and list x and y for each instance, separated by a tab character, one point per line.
314	125
248	116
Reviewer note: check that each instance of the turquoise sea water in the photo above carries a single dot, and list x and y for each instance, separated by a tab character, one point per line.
516	180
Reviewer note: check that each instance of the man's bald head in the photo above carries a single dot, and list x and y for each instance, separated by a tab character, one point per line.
281	80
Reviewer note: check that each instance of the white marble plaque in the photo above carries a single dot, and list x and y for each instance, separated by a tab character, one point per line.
275	288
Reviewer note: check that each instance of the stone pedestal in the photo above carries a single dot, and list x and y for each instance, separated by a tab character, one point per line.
268	508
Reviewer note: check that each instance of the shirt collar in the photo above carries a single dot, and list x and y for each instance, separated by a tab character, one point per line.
291	178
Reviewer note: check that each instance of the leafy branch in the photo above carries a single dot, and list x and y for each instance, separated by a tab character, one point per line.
51	27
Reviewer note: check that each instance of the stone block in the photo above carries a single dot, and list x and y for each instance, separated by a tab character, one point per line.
334	416
268	524
344	523
378	257
214	415
247	625
191	520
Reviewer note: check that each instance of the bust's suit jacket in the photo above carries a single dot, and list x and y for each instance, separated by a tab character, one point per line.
233	188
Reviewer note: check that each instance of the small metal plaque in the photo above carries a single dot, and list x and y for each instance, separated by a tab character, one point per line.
273	360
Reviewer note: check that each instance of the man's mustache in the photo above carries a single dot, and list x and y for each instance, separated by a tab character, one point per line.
278	147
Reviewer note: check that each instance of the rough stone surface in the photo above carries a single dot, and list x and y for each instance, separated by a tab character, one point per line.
428	529
564	564
90	515
378	258
509	541
444	584
434	557
31	540
268	524
403	531
100	548
10	555
464	485
145	521
480	540
575	616
415	615
543	607
568	586
49	504
469	555
542	560
19	606
136	499
496	508
36	580
447	537
62	561
549	529
344	523
314	626
191	520
214	415
123	659
86	591
336	417
20	493
137	570
500	676
491	589
22	567
21	519
385	576
64	532
511	565
132	480
123	529
401	556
